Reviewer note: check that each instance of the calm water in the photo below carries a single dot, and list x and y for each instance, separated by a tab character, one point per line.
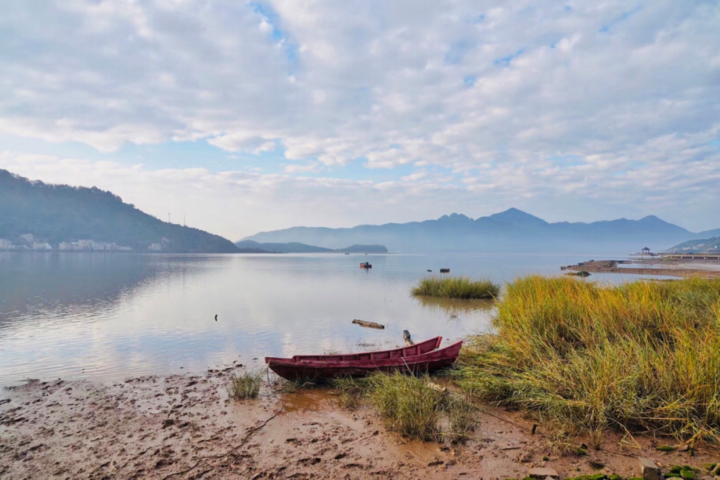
109	316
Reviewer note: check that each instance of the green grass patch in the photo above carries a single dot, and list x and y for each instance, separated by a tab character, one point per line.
456	287
407	404
636	357
244	386
411	405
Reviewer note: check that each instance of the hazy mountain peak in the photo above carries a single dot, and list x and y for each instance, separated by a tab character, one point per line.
455	217
513	216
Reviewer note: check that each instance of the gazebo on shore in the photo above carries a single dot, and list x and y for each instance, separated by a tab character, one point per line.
646	251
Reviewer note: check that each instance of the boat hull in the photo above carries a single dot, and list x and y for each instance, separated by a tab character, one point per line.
294	369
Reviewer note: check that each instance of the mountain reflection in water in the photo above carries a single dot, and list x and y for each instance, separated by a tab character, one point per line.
109	316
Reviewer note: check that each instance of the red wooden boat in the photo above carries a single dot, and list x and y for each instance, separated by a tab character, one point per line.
421	357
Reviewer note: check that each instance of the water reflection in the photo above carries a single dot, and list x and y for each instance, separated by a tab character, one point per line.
105	316
454	307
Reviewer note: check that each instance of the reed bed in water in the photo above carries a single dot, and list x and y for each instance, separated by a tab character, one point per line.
456	287
636	357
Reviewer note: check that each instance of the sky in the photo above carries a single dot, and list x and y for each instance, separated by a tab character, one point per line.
242	117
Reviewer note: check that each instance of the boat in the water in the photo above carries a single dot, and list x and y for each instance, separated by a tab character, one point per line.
421	357
365	265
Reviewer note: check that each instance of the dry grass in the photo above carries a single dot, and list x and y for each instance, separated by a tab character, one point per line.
244	386
456	287
643	356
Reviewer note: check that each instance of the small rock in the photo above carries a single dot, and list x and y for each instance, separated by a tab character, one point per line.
543	472
649	470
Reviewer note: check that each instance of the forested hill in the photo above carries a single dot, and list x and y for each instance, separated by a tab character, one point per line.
60	213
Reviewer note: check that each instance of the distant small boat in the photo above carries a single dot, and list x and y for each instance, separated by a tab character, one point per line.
426	356
444	270
365	265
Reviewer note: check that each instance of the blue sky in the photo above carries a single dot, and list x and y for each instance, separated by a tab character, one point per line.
253	116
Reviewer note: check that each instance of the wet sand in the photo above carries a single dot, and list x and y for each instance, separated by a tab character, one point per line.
186	427
674	268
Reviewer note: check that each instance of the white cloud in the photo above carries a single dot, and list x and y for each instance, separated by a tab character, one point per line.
415	176
495	92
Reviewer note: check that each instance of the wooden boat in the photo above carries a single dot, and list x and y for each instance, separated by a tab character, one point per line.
365	265
421	357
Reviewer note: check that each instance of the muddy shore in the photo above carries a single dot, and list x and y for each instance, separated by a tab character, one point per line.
186	427
674	268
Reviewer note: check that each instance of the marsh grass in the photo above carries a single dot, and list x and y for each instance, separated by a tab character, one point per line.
456	287
410	406
245	385
350	391
642	356
462	417
407	404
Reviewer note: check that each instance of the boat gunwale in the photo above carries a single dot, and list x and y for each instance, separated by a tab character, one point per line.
434	355
328	358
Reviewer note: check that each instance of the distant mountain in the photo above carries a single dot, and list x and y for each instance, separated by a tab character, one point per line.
510	231
707	245
35	213
296	247
292	247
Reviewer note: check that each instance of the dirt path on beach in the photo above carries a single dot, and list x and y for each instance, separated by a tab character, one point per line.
185	427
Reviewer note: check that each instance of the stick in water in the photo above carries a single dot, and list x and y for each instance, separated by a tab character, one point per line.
363	323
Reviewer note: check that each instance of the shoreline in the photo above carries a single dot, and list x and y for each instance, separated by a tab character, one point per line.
672	268
184	426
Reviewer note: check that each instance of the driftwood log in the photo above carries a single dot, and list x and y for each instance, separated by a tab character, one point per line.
408	338
363	323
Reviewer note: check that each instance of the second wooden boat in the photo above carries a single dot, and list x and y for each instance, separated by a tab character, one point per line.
426	356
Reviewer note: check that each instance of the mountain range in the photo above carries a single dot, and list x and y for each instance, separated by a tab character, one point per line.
510	231
88	217
57	215
295	247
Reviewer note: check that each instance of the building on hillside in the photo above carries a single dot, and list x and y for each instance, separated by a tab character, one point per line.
41	246
101	246
6	244
92	245
155	247
28	237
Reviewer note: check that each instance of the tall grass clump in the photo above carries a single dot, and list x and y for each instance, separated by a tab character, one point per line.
407	404
246	385
411	405
637	357
456	287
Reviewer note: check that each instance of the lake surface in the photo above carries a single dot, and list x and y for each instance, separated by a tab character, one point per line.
106	317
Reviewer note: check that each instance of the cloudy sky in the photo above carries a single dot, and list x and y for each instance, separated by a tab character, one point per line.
262	115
